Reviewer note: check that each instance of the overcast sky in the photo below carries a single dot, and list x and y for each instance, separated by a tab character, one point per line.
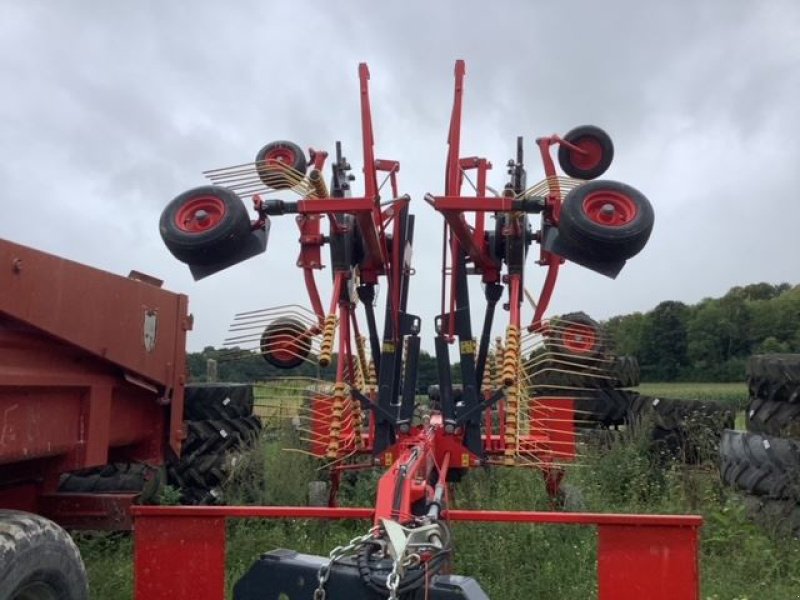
110	109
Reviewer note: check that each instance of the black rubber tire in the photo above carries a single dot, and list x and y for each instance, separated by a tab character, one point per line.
773	417
624	372
560	376
774	377
582	166
38	560
144	479
217	401
600	241
607	407
684	430
561	340
285	343
780	517
218	241
760	464
204	464
290	153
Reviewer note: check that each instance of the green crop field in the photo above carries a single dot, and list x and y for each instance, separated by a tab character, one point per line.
733	394
739	560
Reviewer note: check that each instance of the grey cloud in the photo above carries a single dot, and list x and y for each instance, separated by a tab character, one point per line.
110	109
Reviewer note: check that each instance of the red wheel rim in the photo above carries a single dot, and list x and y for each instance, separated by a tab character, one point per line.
200	214
610	208
284	346
281	154
590	158
579	339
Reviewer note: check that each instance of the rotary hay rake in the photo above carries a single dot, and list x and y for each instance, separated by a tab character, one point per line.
510	408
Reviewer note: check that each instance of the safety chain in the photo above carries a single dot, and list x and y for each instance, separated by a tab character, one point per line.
336	554
393	579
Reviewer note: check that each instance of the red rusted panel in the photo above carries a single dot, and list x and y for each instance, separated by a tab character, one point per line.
88	363
37	423
107	512
179	558
656	562
132	324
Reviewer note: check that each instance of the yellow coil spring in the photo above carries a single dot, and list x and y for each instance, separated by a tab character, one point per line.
320	189
337	413
363	366
488	373
372	377
511	357
498	360
511	424
328	335
358	416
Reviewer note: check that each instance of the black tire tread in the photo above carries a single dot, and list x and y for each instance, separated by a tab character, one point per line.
33	548
774	377
217	401
773	417
760	465
205	463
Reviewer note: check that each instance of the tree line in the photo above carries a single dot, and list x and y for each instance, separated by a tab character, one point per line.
706	341
712	339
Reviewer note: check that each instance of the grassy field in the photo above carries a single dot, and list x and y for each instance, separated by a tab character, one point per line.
733	394
739	561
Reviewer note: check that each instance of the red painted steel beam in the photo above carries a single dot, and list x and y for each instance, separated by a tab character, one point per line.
474	203
485	516
321	206
658	552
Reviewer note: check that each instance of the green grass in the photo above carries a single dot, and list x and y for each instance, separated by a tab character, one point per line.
739	561
734	394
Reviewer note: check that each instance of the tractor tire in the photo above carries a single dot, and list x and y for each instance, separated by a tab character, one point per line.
115	478
204	225
209	436
605	407
606	220
38	560
684	430
289	155
217	401
774	377
208	453
575	336
773	417
599	152
624	372
760	465
558	377
780	517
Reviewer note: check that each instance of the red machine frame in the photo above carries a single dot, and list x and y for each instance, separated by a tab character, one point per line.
660	552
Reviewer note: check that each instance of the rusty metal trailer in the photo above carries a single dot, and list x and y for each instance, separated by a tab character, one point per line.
92	373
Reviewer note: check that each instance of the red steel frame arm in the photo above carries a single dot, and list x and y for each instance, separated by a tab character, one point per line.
373	246
549	219
659	552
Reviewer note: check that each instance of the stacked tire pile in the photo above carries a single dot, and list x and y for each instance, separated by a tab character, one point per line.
220	426
764	461
576	363
685	430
